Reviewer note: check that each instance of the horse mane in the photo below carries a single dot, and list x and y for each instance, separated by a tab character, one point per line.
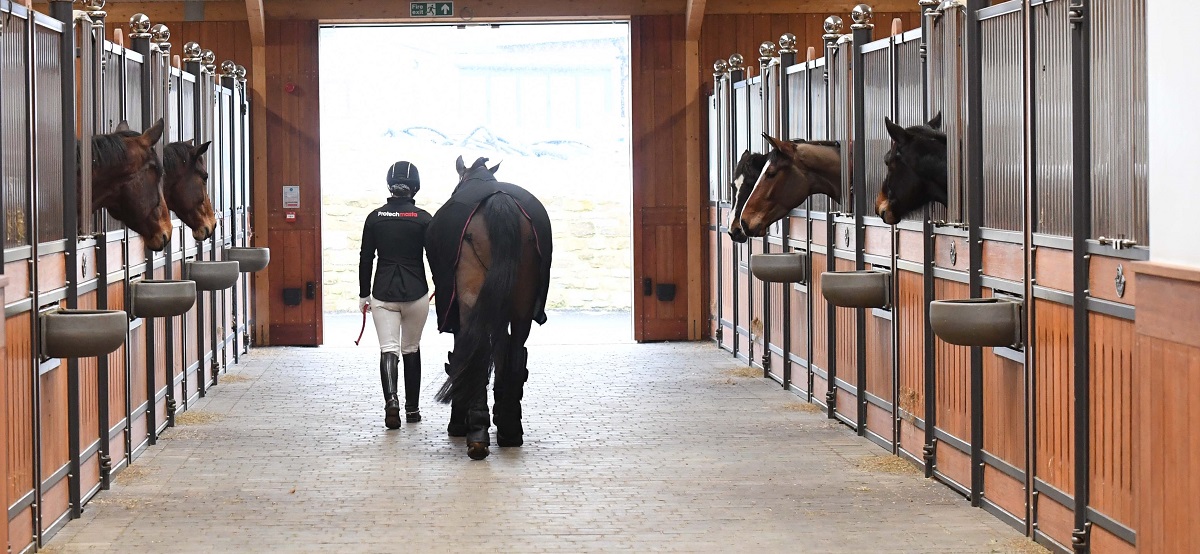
175	156
109	150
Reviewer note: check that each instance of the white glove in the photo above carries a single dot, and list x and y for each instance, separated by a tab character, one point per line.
364	304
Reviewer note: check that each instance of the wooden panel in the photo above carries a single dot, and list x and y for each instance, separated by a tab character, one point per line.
54	422
843	236
727	270
54	503
879	421
879	357
116	256
1103	542
1055	520
779	310
1004	408
20	531
1054	424
1167	358
953	370
878	241
954	463
1103	280
797	228
18	281
1004	260
1052	269
909	312
1005	491
89	390
820	321
951	253
1111	366
912	439
52	271
18	420
758	320
911	247
4	425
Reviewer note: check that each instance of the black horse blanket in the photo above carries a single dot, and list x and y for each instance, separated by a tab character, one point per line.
444	238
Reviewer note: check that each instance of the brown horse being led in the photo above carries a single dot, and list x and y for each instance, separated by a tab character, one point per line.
125	181
794	172
185	184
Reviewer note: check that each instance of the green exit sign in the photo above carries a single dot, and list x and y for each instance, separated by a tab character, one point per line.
430	9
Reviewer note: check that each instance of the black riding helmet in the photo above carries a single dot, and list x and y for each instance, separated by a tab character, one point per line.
402	176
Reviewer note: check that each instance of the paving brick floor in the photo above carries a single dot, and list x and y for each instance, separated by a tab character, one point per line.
659	447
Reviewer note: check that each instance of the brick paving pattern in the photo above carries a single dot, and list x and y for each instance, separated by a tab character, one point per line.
659	447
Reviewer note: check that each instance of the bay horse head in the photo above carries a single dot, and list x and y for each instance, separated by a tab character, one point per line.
125	181
745	174
480	163
185	184
916	170
795	170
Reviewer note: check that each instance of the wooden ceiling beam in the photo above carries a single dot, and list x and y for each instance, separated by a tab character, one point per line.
694	15
257	19
368	11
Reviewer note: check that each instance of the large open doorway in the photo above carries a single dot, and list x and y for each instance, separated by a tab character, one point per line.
551	102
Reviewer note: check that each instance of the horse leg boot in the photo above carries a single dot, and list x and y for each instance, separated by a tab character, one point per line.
412	386
458	412
478	438
509	431
389	375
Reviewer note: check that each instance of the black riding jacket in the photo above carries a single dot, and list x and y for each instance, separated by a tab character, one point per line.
397	231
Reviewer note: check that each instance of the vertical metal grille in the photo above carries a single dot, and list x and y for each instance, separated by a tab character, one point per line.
909	81
48	128
756	142
820	202
187	101
173	106
14	129
133	94
741	114
1003	122
840	114
1052	140
946	95
1119	142
797	123
878	105
714	149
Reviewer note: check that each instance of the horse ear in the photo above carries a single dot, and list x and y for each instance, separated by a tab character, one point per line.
898	133
201	150
153	134
936	122
460	166
122	126
782	145
494	168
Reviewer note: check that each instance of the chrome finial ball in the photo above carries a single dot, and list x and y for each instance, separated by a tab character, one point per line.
862	15
93	5
720	67
767	49
161	33
139	26
787	43
207	57
191	52
736	62
228	68
833	25
241	73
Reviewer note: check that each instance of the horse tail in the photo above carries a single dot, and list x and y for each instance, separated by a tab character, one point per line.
471	363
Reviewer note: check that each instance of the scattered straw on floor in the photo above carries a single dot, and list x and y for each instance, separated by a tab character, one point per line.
887	464
132	473
195	417
234	378
1018	545
120	501
802	407
745	371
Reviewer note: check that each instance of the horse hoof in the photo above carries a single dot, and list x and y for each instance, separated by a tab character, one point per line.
503	440
391	418
477	450
456	430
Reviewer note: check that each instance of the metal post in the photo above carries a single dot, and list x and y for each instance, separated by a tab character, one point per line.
809	67
973	188
766	57
787	58
31	166
62	11
1082	229
833	30
894	329
862	30
720	81
194	64
229	80
929	450
244	218
737	73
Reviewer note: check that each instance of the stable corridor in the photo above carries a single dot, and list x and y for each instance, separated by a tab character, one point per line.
659	447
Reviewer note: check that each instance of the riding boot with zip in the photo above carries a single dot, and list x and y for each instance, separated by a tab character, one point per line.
412	386
389	374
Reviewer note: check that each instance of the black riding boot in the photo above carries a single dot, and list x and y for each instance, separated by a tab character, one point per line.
412	386
389	374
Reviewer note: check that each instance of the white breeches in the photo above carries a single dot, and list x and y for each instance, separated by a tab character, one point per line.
399	324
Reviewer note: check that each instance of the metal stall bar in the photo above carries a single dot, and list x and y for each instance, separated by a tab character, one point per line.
737	75
141	34
160	67
720	151
787	59
194	64
229	80
1077	14
766	59
862	31
833	30
973	190
929	451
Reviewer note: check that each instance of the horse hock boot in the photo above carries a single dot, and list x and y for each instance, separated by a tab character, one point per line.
389	374
458	412
478	437
412	386
510	389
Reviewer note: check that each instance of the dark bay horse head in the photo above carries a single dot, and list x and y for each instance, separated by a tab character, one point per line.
916	170
795	170
745	174
185	185
480	164
125	181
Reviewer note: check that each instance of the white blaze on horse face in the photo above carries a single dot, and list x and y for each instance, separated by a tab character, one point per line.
735	215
